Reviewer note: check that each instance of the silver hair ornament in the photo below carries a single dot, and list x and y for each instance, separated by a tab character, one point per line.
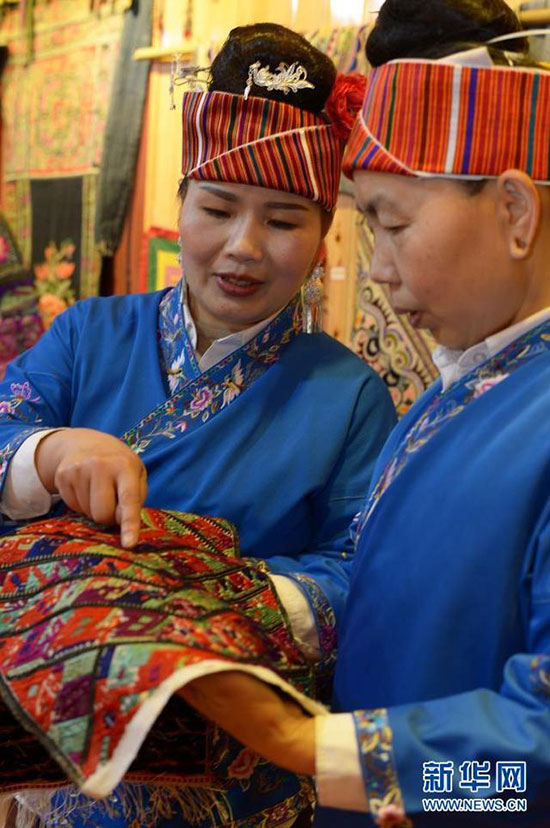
285	78
181	74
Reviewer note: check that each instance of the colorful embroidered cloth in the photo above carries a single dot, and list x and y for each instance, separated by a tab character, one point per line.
95	640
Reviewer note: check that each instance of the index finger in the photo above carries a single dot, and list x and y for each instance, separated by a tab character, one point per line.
131	491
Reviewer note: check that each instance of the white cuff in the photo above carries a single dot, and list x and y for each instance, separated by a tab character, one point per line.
300	615
338	774
24	496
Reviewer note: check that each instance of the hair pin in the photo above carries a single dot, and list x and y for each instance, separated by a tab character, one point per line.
522	34
181	74
285	78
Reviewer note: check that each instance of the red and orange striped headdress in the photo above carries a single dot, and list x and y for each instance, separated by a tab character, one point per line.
268	143
443	118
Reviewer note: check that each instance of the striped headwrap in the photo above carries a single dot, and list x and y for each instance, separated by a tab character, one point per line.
261	142
443	118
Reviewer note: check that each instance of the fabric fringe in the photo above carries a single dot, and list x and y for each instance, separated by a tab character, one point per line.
140	806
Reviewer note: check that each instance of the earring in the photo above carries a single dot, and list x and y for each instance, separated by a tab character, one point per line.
183	281
521	249
312	301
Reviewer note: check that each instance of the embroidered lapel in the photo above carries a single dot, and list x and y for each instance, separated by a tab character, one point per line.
178	356
197	397
446	405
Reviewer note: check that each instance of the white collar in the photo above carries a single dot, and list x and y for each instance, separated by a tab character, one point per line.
223	347
453	363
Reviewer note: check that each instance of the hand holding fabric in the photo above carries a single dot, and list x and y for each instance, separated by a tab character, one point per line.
252	712
95	474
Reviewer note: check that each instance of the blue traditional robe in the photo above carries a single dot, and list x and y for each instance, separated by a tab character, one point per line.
445	657
280	437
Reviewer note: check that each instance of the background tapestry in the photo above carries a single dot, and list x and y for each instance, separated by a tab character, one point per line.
20	322
55	109
159	267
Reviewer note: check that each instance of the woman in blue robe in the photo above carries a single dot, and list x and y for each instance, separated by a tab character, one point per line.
209	397
442	690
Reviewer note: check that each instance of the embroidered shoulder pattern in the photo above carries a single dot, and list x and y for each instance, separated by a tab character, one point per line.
447	405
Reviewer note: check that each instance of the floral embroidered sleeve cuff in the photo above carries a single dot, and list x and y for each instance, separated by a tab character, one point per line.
300	614
324	618
380	782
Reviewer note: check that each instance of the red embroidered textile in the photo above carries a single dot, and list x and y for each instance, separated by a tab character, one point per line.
95	640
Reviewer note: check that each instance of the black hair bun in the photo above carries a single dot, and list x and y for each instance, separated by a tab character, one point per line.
437	28
271	44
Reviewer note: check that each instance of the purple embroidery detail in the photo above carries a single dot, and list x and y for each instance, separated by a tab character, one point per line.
485	385
202	399
23	390
325	622
21	393
18	405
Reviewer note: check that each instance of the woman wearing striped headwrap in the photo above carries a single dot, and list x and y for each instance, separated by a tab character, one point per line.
443	674
227	406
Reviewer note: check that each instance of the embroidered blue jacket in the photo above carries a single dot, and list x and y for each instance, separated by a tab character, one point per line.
445	656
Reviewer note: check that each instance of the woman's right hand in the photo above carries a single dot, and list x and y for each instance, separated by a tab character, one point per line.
95	474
